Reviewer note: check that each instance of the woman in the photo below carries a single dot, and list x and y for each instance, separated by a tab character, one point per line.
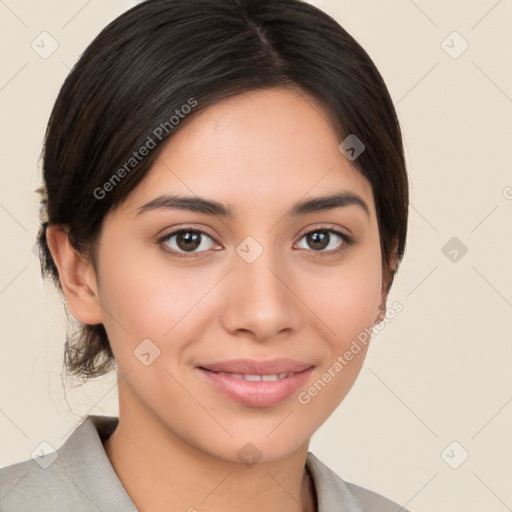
225	211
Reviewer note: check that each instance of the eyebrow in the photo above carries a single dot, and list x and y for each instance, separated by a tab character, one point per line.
211	207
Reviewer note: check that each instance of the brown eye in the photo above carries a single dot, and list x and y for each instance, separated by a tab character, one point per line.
188	241
324	240
318	240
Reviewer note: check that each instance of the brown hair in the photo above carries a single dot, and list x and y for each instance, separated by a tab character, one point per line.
152	60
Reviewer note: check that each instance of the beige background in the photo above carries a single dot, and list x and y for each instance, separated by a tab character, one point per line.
440	371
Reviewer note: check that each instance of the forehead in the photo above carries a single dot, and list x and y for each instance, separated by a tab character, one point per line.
269	147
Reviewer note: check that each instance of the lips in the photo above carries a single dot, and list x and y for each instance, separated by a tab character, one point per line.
256	383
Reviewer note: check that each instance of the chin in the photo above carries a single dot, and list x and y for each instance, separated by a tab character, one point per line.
260	445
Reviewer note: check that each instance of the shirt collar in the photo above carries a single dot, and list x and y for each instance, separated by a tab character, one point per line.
87	462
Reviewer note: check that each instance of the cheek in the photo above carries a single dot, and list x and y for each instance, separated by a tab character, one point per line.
347	303
150	298
347	298
142	299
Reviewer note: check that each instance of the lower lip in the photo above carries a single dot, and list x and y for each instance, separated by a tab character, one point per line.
256	393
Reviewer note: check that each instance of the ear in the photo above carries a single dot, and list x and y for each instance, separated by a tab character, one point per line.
77	277
387	279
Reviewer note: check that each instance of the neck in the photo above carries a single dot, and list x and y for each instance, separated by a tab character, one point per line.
161	472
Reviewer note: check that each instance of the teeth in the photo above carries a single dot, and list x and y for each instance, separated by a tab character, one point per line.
252	377
256	378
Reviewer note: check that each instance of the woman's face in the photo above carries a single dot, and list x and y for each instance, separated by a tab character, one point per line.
274	288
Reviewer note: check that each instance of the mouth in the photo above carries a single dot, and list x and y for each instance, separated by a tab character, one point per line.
256	383
256	378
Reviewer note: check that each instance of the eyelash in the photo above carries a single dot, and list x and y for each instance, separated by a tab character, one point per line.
347	241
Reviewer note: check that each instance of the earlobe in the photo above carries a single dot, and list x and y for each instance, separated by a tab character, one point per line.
387	279
382	313
386	285
77	277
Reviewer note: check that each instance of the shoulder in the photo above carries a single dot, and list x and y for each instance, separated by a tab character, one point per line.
335	494
78	476
27	485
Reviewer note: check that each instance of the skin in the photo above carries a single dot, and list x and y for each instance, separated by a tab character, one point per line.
177	441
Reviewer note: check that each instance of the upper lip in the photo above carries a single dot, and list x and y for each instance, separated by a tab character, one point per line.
252	367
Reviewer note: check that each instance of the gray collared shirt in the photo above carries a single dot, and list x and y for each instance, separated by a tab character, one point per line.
82	479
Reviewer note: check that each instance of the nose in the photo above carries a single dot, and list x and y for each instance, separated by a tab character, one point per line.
260	300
